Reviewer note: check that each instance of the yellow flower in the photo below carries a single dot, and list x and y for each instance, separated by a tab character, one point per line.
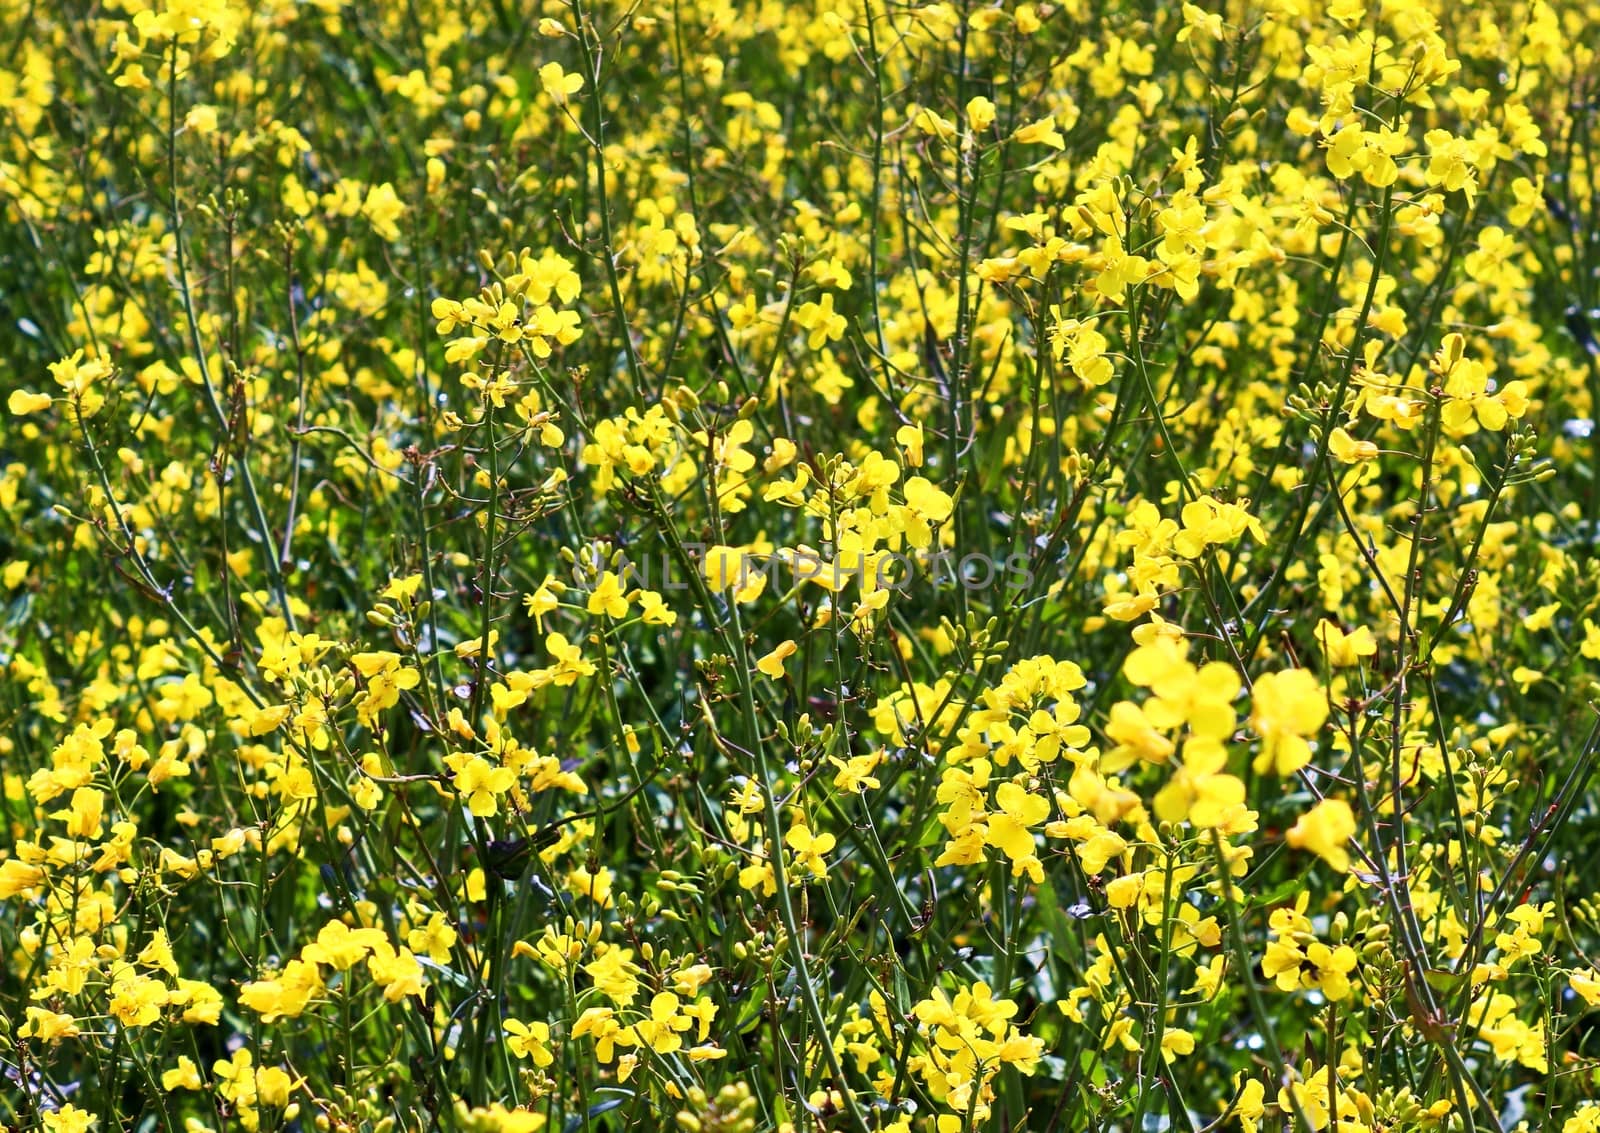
594	885
653	610
86	814
1219	803
614	973
559	85
18	877
479	782
543	600
1328	969
1176	1042
340	947
433	939
662	1031
70	1119
570	663
1325	830
825	324
1345	649
1010	829
772	663
910	439
929	122
136	1001
727	567
1043	132
1287	707
273	1086
1095	854
1494	1012
396	971
1590	646
980	114
809	848
529	1040
607	597
1135	737
383	209
184	1076
21	402
201	119
1347	449
1586	984
600	1024
759	875
1198	19
48	1026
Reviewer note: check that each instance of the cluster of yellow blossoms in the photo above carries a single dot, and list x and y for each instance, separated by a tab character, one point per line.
833	566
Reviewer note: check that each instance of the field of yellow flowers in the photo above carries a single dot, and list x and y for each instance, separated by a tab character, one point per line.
735	566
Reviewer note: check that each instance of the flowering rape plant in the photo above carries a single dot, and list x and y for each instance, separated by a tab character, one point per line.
743	566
